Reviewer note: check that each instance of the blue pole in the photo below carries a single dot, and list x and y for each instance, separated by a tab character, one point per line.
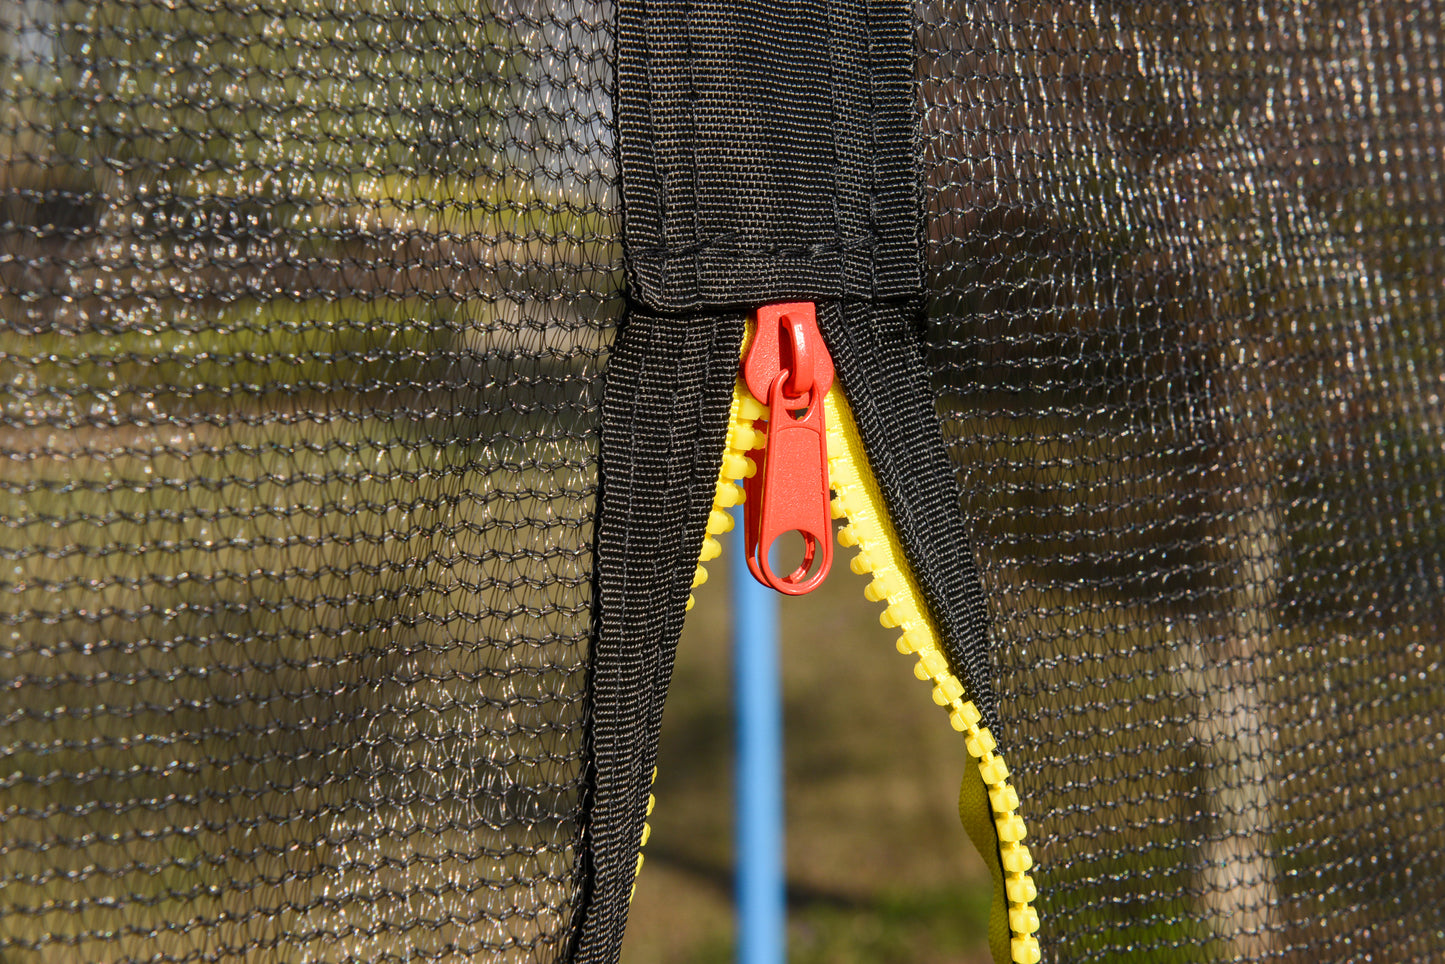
757	707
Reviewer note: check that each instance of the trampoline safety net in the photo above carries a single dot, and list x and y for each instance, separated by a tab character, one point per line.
303	309
306	309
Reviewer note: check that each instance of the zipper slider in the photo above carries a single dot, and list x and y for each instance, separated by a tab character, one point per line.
788	368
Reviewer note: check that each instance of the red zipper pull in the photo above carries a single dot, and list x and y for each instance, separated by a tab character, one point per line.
789	368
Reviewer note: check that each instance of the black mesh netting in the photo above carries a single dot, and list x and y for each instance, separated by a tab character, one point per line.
302	306
1189	272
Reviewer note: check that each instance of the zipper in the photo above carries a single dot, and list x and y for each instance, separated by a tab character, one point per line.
736	469
783	343
788	365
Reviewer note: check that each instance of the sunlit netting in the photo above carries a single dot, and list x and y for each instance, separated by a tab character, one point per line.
302	308
1189	271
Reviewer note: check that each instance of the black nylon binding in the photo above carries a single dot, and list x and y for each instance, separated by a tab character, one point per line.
665	409
767	151
767	154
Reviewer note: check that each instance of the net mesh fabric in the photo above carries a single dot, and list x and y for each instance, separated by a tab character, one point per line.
1186	328
302	308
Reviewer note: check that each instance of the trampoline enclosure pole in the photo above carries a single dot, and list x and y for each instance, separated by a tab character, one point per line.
757	707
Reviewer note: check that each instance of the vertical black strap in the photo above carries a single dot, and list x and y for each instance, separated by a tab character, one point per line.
767	154
665	410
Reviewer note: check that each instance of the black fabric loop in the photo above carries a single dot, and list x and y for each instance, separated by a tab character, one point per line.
664	422
767	151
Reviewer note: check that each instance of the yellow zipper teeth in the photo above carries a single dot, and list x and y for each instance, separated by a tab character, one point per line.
736	466
858	500
646	832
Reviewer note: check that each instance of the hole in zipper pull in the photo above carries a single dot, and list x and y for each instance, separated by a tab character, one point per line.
795	545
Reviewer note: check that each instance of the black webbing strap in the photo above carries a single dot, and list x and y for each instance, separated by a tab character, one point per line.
665	411
880	363
767	152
